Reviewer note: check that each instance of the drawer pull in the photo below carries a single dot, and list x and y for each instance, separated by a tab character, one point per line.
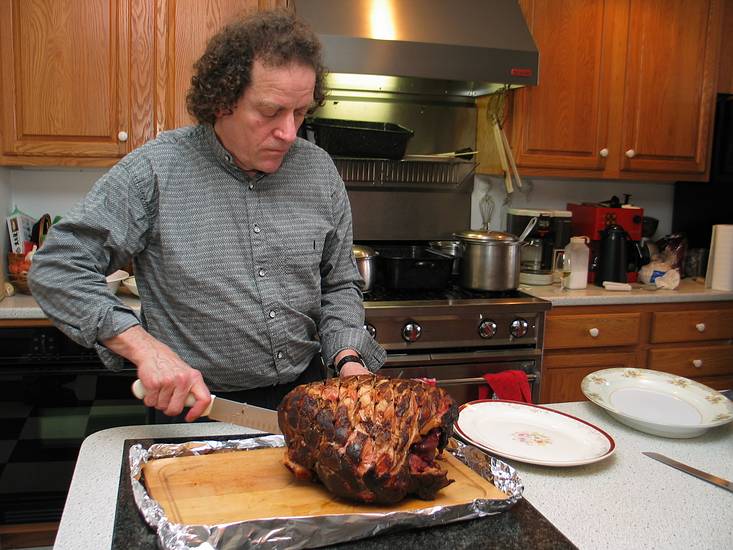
700	327
697	363
594	332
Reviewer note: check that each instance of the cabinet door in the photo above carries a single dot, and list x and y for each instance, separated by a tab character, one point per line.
184	28
671	66
65	81
562	122
563	373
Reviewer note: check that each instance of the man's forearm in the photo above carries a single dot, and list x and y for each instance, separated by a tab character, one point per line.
133	344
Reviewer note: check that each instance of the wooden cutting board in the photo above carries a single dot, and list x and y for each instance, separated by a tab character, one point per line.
246	485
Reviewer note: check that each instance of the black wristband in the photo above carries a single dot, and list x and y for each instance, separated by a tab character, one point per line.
347	359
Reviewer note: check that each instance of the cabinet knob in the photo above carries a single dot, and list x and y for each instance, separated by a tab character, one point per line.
630	153
697	363
700	327
603	152
594	332
122	135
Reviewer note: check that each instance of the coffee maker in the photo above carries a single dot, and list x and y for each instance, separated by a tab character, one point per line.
550	234
615	226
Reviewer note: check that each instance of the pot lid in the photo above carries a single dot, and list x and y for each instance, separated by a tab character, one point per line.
486	236
362	252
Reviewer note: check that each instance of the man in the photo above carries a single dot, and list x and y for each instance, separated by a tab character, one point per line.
240	234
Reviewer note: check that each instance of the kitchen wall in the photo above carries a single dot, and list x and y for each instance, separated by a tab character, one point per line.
56	190
37	191
655	198
5	207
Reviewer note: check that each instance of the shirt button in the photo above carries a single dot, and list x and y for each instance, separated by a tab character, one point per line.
272	314
261	273
256	228
228	158
279	354
251	186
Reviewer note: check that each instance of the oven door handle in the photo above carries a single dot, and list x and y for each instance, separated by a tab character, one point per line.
476	380
513	354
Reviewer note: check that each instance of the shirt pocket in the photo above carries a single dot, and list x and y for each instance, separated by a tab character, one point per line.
303	275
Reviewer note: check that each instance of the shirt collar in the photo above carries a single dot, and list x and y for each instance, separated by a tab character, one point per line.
224	157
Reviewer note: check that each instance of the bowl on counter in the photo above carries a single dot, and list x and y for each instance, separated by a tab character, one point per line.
131	285
114	280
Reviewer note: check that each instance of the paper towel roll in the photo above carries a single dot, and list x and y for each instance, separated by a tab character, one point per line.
720	263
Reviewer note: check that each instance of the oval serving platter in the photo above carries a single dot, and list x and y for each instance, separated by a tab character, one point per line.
657	402
532	434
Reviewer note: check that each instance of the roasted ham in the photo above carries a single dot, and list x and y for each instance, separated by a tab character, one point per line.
368	438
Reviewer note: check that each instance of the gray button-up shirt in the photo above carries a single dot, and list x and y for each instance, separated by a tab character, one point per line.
245	278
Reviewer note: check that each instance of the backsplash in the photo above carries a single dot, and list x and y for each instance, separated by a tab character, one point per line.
656	199
37	191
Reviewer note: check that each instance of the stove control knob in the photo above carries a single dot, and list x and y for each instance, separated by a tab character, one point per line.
519	328
370	329
487	329
411	332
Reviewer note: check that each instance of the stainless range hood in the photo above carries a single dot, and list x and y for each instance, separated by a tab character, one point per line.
456	47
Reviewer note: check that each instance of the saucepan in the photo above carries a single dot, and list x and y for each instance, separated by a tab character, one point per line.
366	258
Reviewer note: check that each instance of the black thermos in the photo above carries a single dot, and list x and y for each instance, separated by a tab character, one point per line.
612	262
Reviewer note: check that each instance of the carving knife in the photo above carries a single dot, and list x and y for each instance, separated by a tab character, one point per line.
710	478
225	410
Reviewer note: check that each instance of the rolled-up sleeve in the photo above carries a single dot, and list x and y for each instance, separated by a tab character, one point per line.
100	235
342	310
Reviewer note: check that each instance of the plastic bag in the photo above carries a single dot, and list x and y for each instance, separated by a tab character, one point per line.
672	251
649	273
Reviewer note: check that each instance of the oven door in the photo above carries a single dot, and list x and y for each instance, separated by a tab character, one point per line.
54	394
460	373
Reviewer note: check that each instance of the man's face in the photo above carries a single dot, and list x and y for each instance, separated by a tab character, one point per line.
264	121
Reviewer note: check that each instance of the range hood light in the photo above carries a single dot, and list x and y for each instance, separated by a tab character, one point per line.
350	81
381	20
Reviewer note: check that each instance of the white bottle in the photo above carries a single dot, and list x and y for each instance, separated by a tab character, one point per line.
575	264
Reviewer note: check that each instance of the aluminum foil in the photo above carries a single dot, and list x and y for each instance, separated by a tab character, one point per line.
310	531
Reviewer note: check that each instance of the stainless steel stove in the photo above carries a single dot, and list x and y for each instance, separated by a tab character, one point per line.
456	336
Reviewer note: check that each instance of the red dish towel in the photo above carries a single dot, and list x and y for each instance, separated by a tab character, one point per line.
511	385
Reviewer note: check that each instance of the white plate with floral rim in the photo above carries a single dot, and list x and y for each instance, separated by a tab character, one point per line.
532	434
657	402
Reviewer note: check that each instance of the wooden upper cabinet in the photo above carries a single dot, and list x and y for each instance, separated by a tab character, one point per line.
84	82
65	77
669	97
184	28
563	121
626	89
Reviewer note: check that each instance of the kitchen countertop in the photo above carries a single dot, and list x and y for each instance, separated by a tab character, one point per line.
688	291
625	501
23	306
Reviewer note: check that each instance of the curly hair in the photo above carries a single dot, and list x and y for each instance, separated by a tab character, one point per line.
224	71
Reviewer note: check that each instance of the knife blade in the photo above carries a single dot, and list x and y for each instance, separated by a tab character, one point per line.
225	410
710	478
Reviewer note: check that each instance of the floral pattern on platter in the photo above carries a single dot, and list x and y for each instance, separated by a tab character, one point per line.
714	398
597	379
722	417
533	439
631	373
681	382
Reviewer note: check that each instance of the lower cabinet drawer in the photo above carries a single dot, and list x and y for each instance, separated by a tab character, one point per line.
692	326
693	362
592	331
